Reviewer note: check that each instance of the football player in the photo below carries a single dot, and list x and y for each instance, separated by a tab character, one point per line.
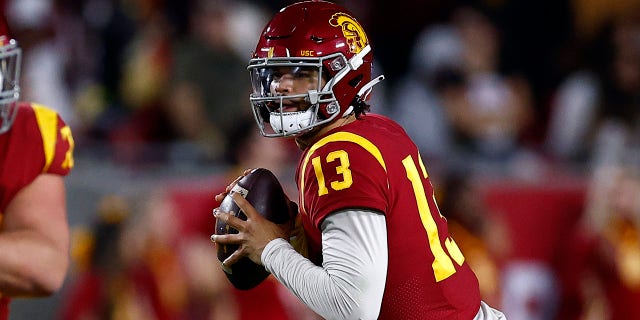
376	245
36	152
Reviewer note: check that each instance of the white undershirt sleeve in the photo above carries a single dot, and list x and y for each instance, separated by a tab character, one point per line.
350	283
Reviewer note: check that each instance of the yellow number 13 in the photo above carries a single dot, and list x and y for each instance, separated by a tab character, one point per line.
341	169
442	264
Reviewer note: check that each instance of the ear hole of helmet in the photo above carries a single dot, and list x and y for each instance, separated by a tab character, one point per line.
356	80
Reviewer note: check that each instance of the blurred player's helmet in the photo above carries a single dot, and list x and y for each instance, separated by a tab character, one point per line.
10	55
318	35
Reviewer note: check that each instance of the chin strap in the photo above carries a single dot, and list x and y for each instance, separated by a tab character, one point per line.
348	112
364	93
366	89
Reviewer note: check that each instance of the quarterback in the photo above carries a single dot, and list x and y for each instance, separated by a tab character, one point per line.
374	243
36	152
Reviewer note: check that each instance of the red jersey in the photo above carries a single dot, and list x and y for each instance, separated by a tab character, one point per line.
372	163
38	142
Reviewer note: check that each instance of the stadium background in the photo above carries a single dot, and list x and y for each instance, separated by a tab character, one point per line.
156	94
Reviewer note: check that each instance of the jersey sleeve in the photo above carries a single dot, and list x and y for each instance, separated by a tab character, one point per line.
57	141
342	171
340	286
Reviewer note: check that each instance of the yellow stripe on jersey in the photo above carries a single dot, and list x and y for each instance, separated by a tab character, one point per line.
339	137
48	124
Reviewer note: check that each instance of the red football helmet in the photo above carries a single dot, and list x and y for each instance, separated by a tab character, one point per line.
312	34
10	55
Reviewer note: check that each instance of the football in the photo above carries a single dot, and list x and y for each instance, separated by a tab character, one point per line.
263	190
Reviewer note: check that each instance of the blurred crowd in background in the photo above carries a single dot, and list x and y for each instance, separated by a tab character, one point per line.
527	114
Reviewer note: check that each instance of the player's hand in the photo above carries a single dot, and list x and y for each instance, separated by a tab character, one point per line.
253	234
223	194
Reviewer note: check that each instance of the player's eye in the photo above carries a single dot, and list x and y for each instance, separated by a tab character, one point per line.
300	73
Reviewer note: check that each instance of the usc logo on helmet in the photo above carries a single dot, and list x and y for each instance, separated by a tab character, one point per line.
351	29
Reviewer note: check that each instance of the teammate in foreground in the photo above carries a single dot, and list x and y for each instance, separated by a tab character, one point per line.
36	151
375	245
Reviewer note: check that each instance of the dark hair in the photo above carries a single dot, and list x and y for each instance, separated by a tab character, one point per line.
360	107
